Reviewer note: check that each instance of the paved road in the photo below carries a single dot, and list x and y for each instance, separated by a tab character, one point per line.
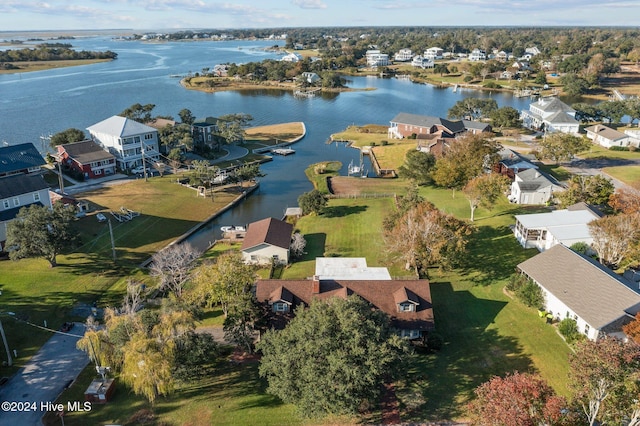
594	166
43	378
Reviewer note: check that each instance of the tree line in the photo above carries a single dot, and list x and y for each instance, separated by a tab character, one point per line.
52	52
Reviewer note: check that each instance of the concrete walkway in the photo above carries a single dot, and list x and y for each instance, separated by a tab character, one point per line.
43	378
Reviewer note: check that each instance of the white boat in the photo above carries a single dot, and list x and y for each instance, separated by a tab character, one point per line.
233	228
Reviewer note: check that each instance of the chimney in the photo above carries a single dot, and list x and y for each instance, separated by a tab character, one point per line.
315	285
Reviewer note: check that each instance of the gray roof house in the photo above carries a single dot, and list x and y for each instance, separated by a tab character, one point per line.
530	186
404	125
609	137
17	191
551	115
21	158
578	287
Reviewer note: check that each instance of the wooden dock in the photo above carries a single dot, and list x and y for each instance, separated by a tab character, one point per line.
283	151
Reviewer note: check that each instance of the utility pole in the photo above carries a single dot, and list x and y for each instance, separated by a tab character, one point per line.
113	245
144	163
60	178
6	346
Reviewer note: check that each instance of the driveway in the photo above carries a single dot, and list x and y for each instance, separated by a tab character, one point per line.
594	166
44	377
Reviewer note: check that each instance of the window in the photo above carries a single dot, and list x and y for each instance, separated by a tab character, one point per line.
97	172
6	204
36	196
254	258
586	329
568	314
410	334
406	307
16	201
280	307
148	136
275	257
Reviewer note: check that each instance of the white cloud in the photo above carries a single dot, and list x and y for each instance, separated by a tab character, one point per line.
309	4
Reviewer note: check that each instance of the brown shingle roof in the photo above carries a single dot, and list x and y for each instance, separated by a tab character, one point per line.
86	152
380	294
268	231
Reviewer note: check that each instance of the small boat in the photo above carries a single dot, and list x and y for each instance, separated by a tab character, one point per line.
233	228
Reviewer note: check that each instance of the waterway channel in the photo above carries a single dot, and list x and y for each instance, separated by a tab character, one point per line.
40	103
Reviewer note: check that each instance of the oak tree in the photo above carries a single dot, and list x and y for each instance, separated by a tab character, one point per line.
595	190
417	167
560	146
39	231
70	135
332	357
313	201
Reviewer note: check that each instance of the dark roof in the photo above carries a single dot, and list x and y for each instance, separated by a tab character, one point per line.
205	122
14	185
268	231
584	206
429	121
477	125
19	157
86	152
384	295
11	214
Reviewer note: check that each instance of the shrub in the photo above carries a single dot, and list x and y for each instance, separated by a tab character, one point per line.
492	85
467	78
526	290
580	247
618	148
569	330
384	143
435	341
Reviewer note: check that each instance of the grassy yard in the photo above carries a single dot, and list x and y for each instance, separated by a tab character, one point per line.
275	133
363	135
486	333
392	155
597	151
627	174
319	172
37	293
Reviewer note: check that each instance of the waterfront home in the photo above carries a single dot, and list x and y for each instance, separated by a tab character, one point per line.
477	55
422	62
310	77
87	158
530	186
18	191
546	230
578	287
20	159
406	125
512	162
403	55
128	140
292	57
266	241
407	302
376	59
433	53
608	137
551	115
204	131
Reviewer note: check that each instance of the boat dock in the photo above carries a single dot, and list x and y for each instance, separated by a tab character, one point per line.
283	151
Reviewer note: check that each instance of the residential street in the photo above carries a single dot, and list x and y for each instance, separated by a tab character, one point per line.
44	377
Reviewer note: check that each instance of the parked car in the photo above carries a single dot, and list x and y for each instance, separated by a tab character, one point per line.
66	327
138	170
101	217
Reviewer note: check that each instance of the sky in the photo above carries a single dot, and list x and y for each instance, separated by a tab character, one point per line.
32	15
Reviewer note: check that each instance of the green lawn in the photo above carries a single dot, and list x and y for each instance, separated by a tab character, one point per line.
319	172
486	332
597	151
627	174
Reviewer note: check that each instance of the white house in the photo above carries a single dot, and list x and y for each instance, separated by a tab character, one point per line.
546	230
310	77
531	187
477	55
421	62
577	287
17	191
292	57
127	140
434	53
403	55
551	115
267	240
609	137
376	59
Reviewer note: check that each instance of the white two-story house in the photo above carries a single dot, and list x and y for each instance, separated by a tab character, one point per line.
17	191
127	140
551	115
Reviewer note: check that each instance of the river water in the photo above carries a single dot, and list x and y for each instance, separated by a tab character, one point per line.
41	103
